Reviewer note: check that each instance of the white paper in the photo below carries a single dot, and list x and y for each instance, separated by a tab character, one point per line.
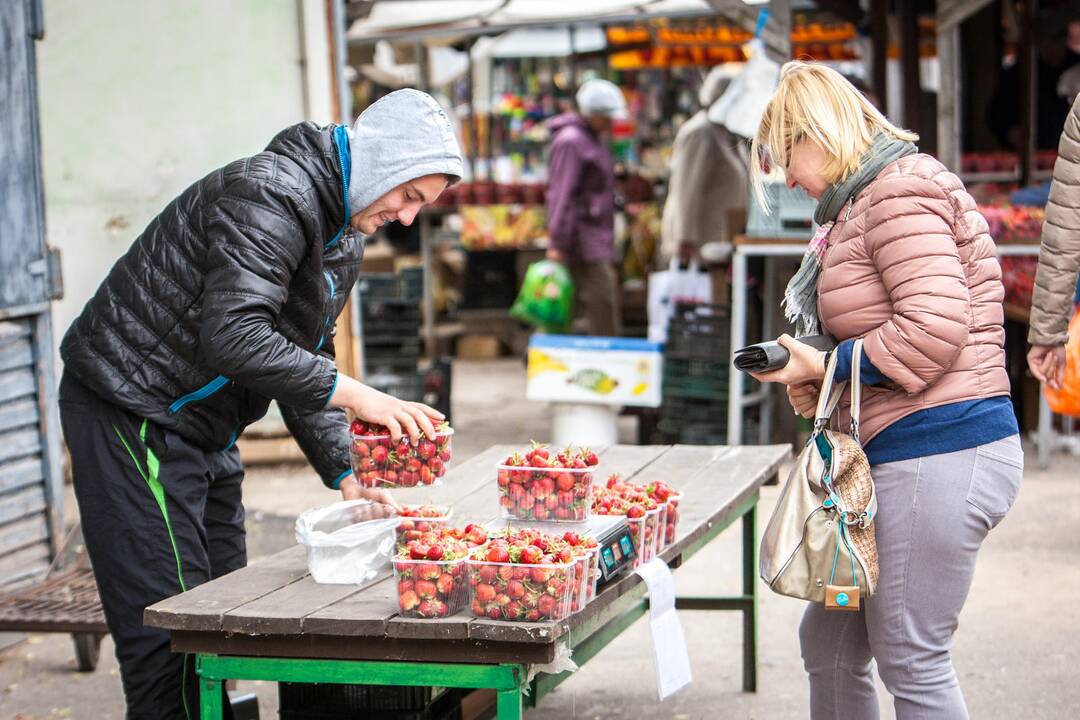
670	657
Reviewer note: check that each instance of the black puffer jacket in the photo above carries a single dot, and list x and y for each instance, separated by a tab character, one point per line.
228	300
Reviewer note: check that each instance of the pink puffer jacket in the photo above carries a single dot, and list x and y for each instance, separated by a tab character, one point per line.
912	268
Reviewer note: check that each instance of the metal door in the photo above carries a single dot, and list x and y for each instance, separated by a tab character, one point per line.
30	475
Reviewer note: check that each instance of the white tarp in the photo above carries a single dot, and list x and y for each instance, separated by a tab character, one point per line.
388	17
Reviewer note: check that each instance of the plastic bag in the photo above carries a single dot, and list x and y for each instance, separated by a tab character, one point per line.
741	106
347	542
546	298
672	286
1066	401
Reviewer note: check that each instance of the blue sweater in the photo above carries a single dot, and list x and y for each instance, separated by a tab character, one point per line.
934	431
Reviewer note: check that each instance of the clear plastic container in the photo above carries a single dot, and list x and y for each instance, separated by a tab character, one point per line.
671	520
521	593
594	576
579	597
429	589
654	524
545	494
378	462
411	528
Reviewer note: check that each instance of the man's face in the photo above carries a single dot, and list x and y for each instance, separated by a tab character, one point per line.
600	124
401	204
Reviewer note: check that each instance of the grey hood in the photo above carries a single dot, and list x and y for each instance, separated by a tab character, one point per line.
402	136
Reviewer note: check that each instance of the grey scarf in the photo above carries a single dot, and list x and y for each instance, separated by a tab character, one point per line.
800	297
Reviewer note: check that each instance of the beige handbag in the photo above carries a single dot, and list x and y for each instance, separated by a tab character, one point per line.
819	544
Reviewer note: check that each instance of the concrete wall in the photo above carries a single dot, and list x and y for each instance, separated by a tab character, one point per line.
141	98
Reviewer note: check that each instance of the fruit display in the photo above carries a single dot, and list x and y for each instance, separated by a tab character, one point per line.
644	514
542	485
514	578
430	574
664	494
379	462
416	520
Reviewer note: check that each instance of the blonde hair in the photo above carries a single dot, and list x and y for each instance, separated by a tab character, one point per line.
814	102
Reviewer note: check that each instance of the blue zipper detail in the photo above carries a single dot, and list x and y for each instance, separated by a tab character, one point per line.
201	394
330	279
341	139
232	441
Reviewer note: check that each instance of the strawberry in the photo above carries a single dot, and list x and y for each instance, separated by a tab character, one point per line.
426	589
425	449
531	555
435	552
379	455
408	600
485	593
532	615
405	586
546	605
418	551
515	589
445	584
498	554
494	612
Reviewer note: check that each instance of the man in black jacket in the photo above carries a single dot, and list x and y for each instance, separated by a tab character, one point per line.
226	301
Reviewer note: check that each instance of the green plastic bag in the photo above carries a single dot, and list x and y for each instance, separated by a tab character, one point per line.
546	298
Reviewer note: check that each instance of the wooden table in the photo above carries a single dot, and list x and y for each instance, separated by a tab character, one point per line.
271	621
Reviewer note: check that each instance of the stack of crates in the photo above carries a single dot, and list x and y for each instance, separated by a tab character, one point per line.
390	319
697	363
298	701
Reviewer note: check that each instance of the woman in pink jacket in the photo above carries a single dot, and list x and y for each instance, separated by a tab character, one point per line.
903	260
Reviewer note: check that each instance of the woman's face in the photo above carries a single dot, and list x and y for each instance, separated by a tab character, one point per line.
401	204
804	168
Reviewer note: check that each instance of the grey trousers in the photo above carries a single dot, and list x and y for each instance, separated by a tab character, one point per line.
933	513
596	298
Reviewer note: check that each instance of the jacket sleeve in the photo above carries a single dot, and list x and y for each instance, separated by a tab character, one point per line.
1059	256
564	172
256	243
323	436
911	240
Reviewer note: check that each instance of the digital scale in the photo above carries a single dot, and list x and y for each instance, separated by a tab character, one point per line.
612	533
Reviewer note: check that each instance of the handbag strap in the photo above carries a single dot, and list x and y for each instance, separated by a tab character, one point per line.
830	393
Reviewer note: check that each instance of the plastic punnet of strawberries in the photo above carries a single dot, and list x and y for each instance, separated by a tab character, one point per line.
544	485
664	493
430	571
378	462
642	512
523	575
419	519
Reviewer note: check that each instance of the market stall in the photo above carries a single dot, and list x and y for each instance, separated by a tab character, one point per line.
272	621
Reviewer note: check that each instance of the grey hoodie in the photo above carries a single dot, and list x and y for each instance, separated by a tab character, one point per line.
402	136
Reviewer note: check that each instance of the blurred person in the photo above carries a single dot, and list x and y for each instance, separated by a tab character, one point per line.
581	203
1054	296
903	260
708	181
226	301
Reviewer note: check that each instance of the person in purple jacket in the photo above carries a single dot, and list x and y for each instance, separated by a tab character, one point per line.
581	203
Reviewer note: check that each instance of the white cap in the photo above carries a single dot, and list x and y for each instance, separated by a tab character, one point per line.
601	97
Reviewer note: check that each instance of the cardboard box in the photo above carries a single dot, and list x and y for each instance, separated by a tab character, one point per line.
478	347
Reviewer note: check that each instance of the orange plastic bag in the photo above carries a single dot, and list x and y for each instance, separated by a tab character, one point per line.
1066	401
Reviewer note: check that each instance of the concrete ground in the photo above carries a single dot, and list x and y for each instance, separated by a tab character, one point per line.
1017	649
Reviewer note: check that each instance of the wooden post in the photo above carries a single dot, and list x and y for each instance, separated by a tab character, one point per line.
949	102
909	60
879	38
1028	68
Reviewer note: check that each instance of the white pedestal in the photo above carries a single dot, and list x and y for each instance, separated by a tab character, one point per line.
583	424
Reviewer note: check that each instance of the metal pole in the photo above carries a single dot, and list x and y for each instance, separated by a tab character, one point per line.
879	38
1028	78
738	340
425	228
949	103
909	59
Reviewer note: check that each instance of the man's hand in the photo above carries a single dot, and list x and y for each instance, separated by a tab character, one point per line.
556	255
1047	364
385	504
805	365
399	417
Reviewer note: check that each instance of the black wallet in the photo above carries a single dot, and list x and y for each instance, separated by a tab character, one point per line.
771	355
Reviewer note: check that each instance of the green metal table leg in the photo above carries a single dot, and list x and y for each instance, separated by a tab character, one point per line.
509	705
750	589
210	699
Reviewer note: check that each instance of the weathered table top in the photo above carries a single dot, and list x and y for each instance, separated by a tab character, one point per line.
274	608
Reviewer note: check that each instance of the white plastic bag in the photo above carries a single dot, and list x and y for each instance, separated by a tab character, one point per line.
672	286
344	546
741	106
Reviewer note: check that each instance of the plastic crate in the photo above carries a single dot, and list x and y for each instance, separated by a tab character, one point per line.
404	286
695	378
407	386
326	701
791	213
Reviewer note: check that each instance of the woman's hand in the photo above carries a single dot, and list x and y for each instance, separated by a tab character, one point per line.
804	398
1047	364
805	365
399	417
